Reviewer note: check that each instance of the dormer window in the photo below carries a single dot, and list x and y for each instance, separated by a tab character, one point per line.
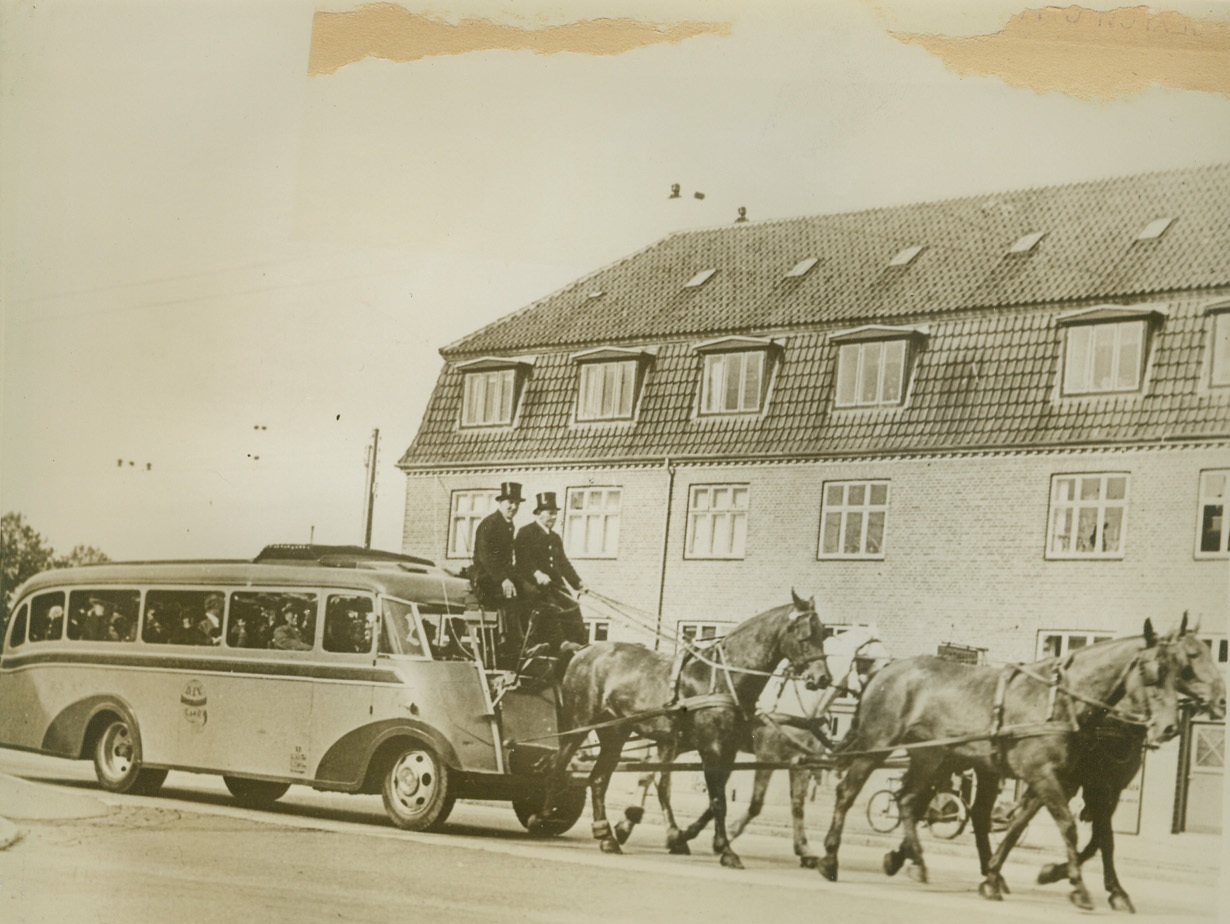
1026	243
802	268
1219	374
699	279
610	381
491	387
907	255
873	364
1105	349
736	374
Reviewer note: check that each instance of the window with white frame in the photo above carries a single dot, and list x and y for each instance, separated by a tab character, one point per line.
598	630
591	524
1104	357
489	397
1213	536
690	631
871	373
1219	374
1088	516
465	513
608	390
1059	643
1219	647
853	519
717	521
734	383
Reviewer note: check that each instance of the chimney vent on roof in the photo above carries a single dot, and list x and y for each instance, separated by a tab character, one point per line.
674	191
742	214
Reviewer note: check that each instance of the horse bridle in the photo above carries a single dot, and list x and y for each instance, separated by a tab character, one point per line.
797	667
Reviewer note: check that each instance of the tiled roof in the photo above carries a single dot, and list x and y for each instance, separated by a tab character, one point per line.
988	368
1089	251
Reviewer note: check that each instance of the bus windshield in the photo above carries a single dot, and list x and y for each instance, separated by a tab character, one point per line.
400	633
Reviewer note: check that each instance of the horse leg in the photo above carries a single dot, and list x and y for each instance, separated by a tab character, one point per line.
1102	808
633	814
980	818
612	744
759	786
676	840
993	887
917	789
847	791
1054	797
715	781
1053	872
799	779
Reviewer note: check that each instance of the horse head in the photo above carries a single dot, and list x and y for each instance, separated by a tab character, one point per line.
1149	685
802	644
1196	673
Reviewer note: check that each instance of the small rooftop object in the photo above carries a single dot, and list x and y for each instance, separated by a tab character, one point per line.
1027	242
1154	229
340	556
802	268
907	256
699	279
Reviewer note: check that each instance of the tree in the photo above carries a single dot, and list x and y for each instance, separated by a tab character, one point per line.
24	553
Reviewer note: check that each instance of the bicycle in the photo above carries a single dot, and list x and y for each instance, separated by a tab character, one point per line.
946	815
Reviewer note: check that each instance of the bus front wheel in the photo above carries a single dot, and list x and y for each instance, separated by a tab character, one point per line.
255	793
117	762
416	789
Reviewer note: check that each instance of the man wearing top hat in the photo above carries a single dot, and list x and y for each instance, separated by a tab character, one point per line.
544	573
493	567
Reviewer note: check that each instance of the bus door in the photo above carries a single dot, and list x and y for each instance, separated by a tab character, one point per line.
343	695
253	714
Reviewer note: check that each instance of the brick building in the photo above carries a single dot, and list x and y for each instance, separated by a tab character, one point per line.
1000	422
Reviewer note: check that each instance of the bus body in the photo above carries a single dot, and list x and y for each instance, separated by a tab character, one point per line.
333	667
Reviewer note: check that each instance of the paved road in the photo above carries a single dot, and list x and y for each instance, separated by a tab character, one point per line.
191	855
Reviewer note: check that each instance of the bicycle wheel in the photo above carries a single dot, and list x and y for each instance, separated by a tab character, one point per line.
946	815
882	812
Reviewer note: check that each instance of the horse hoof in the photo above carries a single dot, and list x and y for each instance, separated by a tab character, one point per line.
609	845
1052	872
634	814
827	867
731	861
988	890
1120	902
623	831
809	861
1080	898
892	863
676	844
918	872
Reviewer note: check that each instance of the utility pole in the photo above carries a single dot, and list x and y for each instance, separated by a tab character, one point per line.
372	454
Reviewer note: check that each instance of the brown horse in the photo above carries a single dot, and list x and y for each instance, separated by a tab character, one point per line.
790	723
1015	722
705	705
1107	761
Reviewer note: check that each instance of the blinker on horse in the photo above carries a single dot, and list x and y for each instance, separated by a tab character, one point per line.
706	704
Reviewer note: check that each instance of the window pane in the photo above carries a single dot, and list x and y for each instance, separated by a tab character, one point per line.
47	619
834	493
714	376
831	534
610	543
1076	642
272	619
700	498
1112	527
702	537
506	390
739	498
847	373
856	494
879	494
854	533
348	625
1064	488
754	363
734	378
1214	484
721	498
1104	356
1091	488
593	535
1211	528
1087	529
627	384
183	617
1131	339
738	542
875	533
1075	378
894	370
1061	531
869	380
1116	488
721	534
110	615
1221	349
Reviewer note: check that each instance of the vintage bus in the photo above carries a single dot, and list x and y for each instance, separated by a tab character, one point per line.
336	667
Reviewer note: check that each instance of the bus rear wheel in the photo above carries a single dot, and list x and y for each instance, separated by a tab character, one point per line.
569	804
416	789
255	793
117	762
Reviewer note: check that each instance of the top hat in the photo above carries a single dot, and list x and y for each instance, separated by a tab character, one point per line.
546	501
509	491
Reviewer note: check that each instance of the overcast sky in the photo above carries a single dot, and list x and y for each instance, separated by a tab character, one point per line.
200	239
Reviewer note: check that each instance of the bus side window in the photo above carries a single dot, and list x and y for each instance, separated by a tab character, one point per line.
183	617
348	624
103	615
399	633
47	617
18	635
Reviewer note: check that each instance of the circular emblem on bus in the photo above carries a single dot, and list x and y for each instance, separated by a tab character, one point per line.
194	700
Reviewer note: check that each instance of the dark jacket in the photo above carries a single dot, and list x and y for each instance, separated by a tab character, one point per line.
540	550
493	559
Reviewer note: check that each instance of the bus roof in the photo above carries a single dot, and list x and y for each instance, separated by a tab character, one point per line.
351	567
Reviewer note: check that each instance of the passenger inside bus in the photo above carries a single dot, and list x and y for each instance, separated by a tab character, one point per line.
348	624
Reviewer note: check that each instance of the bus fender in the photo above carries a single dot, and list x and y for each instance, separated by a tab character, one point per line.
66	735
345	763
